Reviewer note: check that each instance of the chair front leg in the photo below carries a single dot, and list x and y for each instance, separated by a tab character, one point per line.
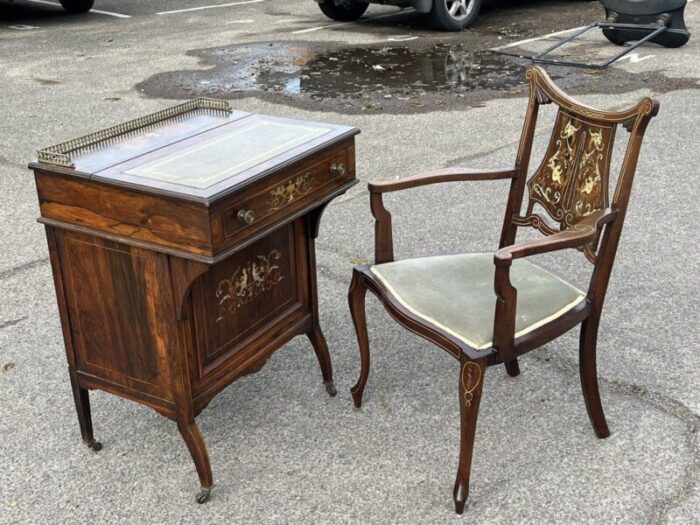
356	298
471	382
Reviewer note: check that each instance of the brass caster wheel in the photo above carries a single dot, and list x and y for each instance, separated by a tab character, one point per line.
95	446
203	494
330	388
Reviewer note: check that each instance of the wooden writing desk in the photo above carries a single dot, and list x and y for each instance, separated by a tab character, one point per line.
182	248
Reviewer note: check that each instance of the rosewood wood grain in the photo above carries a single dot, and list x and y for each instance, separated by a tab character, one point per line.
125	213
117	301
165	296
184	272
569	203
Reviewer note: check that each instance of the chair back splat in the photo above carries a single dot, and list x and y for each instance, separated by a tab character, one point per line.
572	181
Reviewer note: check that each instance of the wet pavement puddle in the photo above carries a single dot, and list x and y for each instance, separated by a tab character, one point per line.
377	79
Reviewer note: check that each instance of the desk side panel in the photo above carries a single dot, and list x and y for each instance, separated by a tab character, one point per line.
120	312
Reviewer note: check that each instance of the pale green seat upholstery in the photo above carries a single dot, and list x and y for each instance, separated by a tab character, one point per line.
456	294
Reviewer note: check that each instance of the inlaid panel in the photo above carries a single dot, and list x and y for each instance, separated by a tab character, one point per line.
243	294
572	181
120	310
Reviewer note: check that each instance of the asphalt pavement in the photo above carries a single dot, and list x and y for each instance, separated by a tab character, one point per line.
282	451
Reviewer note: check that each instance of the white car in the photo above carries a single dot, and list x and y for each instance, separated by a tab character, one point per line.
448	15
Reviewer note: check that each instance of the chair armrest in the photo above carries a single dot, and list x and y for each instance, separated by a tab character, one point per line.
383	237
584	231
441	175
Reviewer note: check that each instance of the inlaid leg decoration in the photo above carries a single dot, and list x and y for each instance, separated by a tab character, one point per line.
589	377
512	367
195	443
471	381
356	298
82	406
318	341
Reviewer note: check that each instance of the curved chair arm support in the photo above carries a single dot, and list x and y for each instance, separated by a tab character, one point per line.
442	175
586	230
383	238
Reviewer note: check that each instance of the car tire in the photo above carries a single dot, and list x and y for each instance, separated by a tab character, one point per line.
614	37
77	6
454	15
347	12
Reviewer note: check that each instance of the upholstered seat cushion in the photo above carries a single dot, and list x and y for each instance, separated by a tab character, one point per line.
456	293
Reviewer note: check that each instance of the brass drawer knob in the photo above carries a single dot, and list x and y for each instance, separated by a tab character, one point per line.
246	216
337	169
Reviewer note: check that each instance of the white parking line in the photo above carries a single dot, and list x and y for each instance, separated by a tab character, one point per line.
312	29
340	24
201	8
401	38
535	39
635	58
108	13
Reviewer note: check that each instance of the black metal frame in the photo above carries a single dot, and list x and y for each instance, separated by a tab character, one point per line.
654	30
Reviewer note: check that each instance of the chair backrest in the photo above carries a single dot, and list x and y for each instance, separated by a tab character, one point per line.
572	180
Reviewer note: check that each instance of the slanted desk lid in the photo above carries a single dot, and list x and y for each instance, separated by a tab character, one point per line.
199	152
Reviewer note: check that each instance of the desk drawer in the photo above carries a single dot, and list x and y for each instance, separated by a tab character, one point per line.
285	194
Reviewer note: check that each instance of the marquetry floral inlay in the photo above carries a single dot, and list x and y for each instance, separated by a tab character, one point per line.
248	282
289	191
471	377
571	183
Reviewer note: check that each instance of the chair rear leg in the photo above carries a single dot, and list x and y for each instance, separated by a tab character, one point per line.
471	382
589	377
512	367
356	298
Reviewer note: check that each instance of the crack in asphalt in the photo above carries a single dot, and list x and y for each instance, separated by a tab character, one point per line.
667	405
7	324
6	274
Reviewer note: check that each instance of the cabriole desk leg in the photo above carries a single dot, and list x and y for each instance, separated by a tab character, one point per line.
315	335
195	443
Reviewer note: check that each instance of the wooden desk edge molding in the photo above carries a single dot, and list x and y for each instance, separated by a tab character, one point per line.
183	255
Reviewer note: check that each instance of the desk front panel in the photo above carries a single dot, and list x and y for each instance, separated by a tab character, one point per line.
248	295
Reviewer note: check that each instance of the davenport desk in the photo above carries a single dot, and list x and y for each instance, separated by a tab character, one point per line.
182	248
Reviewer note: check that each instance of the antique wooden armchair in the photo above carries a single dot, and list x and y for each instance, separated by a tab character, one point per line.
450	300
